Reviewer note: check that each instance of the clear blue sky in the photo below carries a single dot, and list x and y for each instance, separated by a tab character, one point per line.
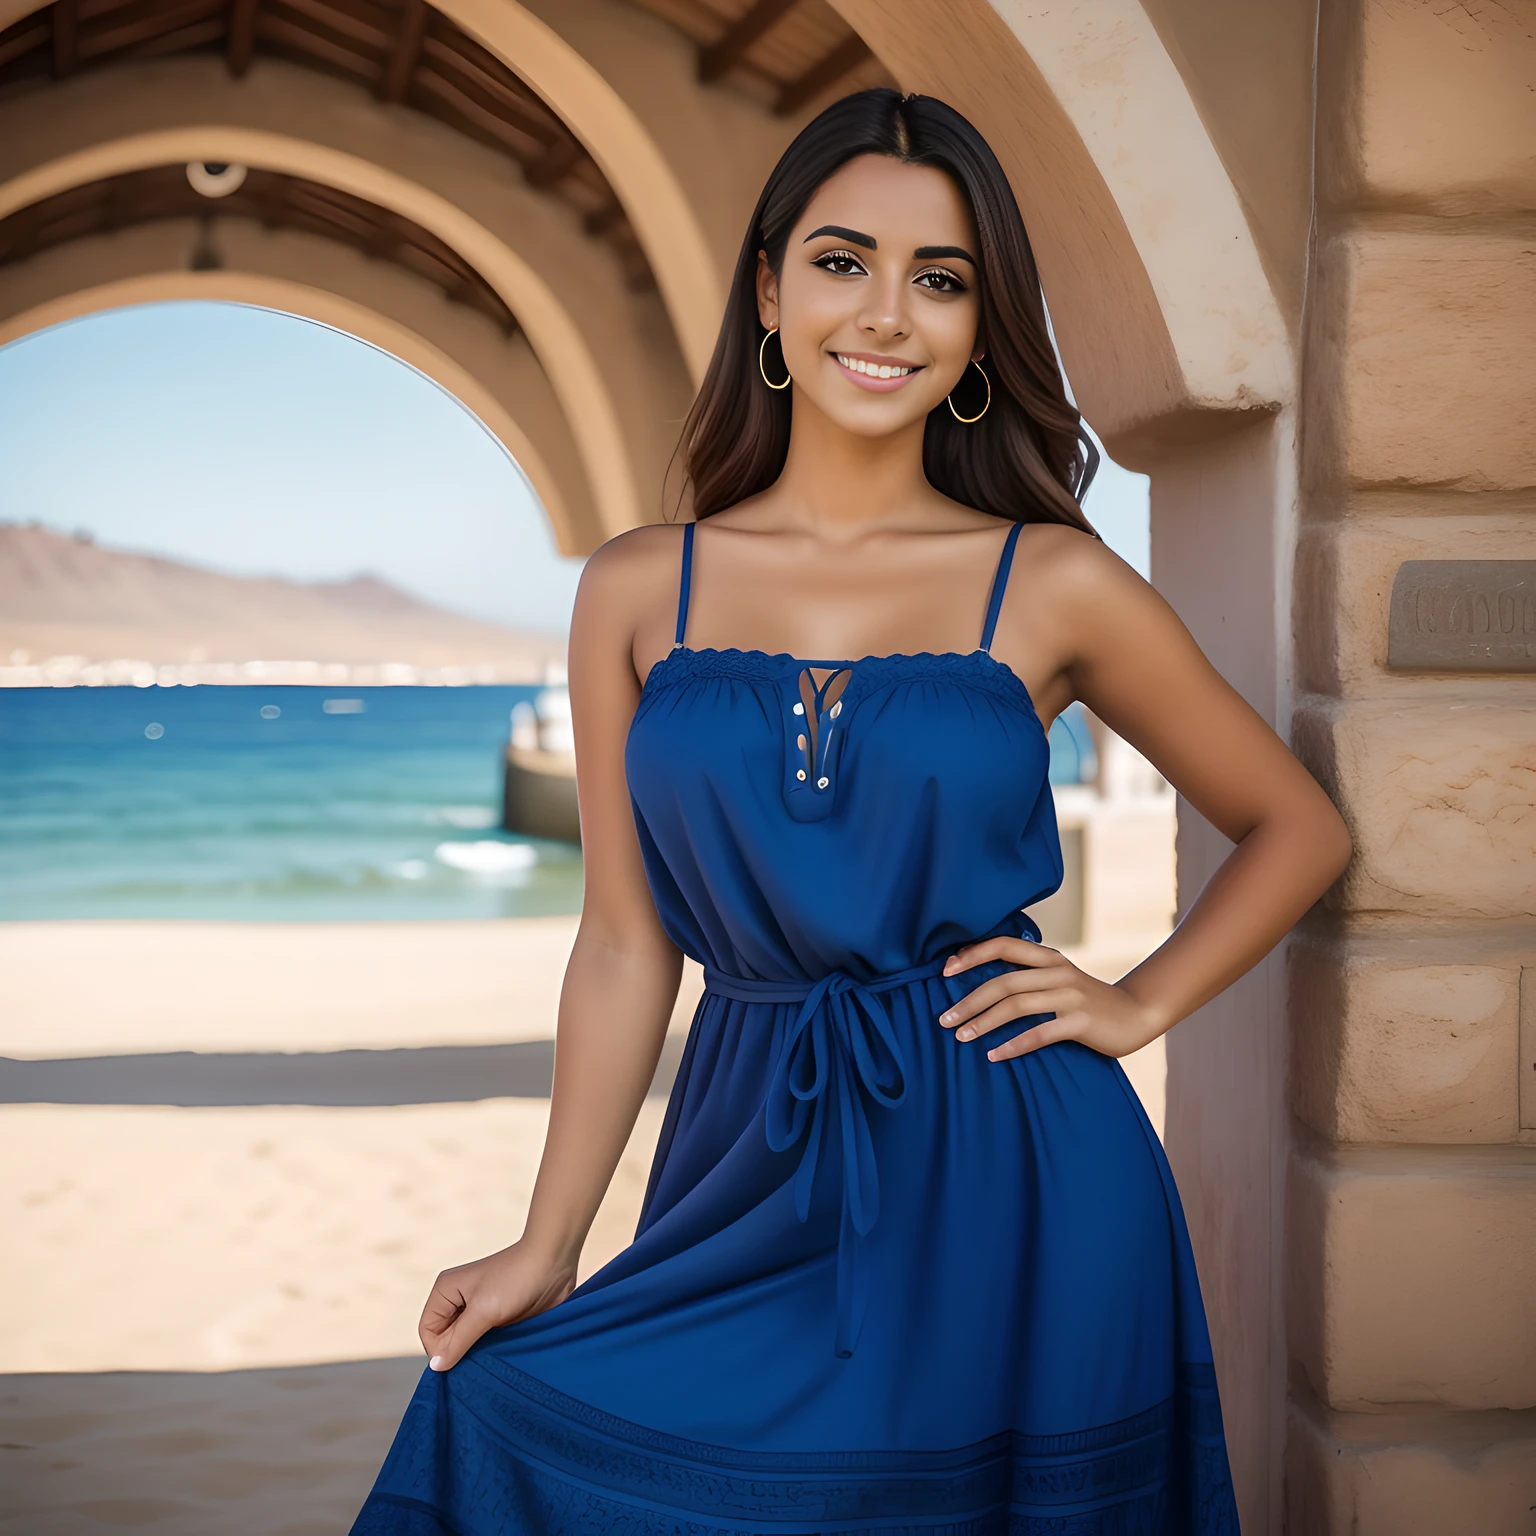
256	443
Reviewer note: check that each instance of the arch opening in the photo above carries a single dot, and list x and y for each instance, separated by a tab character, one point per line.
563	351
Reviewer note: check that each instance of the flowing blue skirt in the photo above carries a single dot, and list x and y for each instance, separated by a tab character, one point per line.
900	1288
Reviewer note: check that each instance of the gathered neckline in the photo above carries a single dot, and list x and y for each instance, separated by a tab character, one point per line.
750	659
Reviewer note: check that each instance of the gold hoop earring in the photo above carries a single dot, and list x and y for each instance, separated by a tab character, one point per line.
762	370
983	411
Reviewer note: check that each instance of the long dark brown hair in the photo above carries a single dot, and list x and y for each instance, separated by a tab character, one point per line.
1028	458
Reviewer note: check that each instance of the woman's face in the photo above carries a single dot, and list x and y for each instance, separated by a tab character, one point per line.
877	304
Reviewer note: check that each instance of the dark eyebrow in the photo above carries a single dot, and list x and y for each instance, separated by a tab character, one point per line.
852	236
937	252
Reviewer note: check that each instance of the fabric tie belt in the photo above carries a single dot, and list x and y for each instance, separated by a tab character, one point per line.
838	1055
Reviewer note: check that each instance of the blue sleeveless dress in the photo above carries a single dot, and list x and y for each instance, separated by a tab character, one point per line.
880	1284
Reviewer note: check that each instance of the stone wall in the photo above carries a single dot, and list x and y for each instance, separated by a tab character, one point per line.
1411	1192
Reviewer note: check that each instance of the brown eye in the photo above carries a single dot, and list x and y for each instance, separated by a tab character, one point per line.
937	280
839	263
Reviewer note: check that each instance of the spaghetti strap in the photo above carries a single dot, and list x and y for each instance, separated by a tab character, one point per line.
999	582
682	585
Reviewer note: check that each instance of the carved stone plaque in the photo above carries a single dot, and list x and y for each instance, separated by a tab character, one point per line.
1463	616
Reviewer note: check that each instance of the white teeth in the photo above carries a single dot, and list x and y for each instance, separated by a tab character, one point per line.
873	370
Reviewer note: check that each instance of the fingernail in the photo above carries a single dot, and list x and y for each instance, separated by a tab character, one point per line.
964	1034
946	1018
436	1362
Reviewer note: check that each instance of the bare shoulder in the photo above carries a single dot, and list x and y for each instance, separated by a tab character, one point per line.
630	558
1074	567
625	577
1085	606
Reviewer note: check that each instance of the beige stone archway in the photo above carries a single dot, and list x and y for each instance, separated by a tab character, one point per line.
1159	291
388	301
259	291
664	218
573	370
1162	306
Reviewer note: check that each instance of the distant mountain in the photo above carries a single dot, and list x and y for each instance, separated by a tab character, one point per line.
63	597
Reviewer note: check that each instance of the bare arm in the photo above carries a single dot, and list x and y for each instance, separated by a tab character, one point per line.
1127	656
620	985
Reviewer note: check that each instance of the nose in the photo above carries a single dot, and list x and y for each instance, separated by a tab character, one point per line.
884	316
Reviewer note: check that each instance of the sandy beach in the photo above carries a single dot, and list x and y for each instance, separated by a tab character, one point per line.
207	1313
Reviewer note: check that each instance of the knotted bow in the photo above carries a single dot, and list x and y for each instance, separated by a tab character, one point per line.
838	1055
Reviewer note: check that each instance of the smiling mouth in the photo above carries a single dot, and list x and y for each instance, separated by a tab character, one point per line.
892	373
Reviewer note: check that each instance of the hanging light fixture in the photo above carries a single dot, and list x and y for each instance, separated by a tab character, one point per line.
215	178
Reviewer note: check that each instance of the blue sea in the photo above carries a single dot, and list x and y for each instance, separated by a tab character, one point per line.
286	804
266	803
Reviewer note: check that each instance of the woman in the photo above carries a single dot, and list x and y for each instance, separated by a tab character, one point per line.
911	1258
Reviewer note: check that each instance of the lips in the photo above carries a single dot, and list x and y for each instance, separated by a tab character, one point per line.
880	374
874	370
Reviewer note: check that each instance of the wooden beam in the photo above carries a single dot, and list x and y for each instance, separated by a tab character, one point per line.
182	39
23	39
242	37
345	19
847	56
280	29
407	50
131	27
458	108
465	64
728	49
66	37
555	164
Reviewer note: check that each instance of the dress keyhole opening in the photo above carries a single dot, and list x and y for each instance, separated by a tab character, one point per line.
822	703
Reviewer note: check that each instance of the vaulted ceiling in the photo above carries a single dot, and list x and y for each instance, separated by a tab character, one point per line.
785	53
273	200
403	50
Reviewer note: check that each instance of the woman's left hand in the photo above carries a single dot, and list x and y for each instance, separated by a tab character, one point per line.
1104	1017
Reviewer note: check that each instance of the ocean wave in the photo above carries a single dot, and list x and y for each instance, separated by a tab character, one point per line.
497	860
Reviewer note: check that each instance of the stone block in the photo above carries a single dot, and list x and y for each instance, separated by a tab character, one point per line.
1386	1051
1528	1047
1427	338
1409	1276
1344	575
1439	791
1407	1474
1440	112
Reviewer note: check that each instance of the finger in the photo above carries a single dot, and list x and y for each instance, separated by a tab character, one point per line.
1003	947
1010	984
443	1306
1063	1027
459	1339
1014	1009
433	1335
